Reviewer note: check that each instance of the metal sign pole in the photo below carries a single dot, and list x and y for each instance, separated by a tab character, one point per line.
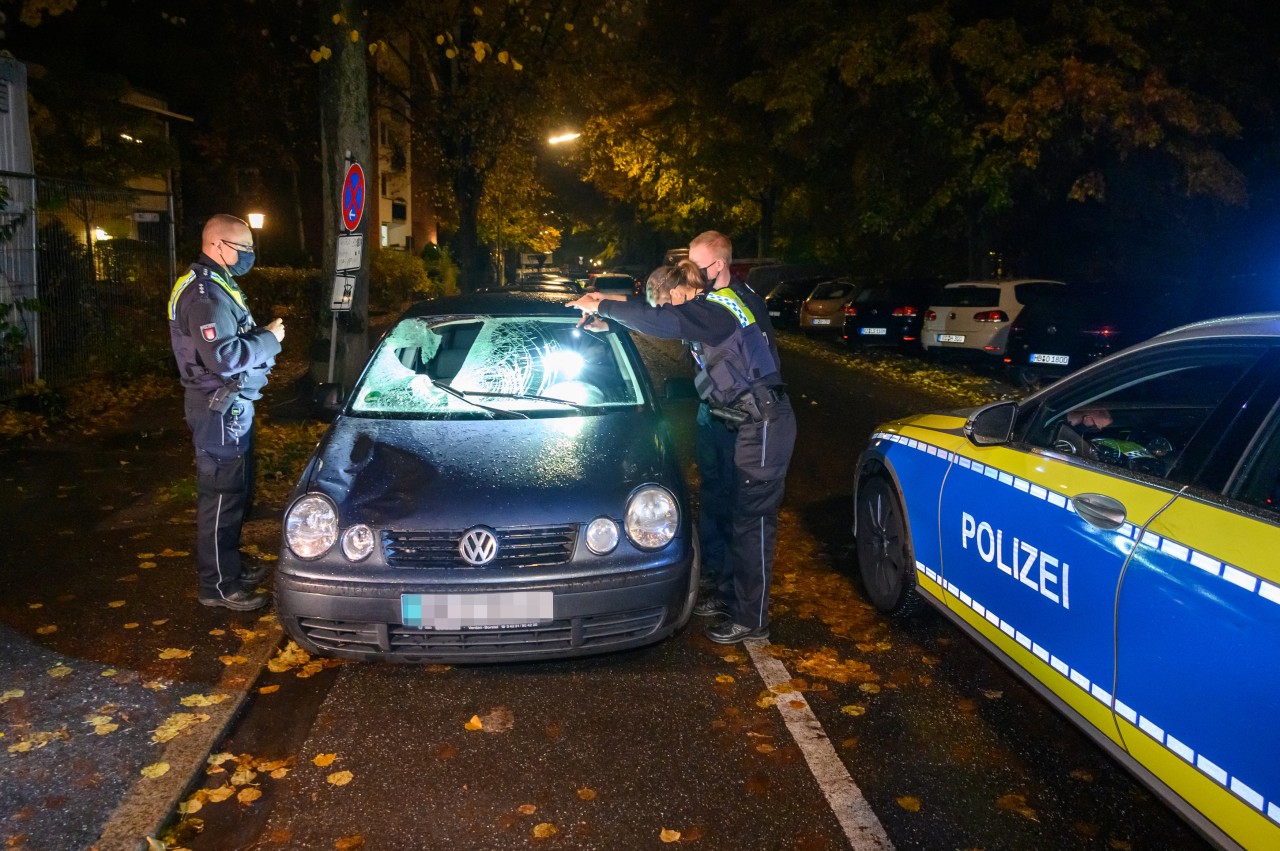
333	344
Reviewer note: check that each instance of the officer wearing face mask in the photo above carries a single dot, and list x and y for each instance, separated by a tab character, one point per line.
224	358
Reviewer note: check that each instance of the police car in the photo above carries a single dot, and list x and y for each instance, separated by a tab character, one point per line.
1114	539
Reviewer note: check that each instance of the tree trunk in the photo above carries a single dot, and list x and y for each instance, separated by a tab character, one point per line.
344	130
768	200
473	258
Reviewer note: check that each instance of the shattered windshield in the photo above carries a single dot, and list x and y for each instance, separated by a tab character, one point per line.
479	367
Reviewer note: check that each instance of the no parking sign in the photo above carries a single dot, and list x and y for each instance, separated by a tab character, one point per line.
353	197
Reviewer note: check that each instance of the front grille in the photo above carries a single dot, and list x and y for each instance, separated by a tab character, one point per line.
592	632
533	546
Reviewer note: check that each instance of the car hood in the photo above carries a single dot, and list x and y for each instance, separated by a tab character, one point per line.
453	474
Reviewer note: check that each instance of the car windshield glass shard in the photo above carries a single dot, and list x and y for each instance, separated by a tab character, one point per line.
543	366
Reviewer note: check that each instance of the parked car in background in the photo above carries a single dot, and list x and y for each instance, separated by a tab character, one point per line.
785	298
762	280
540	284
740	267
888	314
823	310
973	317
446	515
615	283
1112	539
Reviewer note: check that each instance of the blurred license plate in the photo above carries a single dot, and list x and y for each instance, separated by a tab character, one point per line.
822	322
951	338
476	611
1056	360
775	312
874	331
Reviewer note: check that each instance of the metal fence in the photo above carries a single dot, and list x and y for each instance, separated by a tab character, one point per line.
85	272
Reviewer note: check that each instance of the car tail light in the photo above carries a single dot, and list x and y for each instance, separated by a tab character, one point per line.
908	339
991	316
930	316
995	349
850	310
1008	360
1100	331
905	311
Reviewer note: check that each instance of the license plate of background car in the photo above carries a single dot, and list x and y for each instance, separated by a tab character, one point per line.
822	322
775	312
951	338
476	611
1056	360
875	331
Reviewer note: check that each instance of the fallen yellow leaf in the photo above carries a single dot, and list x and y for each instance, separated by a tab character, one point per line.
146	555
131	625
243	776
232	660
219	758
325	759
204	699
268	689
104	729
340	778
854	709
156	769
46	630
527	809
669	835
175	653
221	793
544	830
216	631
474	723
160	622
349	843
724	678
115	604
249	795
59	671
869	688
11	694
765	747
1017	803
35	605
191	806
278	773
909	803
766	700
146	565
155	685
177	724
110	672
586	794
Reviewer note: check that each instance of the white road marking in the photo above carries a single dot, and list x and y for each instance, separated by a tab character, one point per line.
859	822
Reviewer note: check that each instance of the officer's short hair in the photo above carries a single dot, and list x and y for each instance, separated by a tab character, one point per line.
717	243
221	223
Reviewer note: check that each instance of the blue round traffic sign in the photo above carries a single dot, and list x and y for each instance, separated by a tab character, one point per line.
353	197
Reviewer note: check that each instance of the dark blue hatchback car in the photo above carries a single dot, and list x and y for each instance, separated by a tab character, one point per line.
499	485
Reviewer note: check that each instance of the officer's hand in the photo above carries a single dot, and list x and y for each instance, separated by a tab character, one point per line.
276	326
587	302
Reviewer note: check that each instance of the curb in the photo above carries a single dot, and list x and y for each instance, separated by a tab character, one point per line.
147	805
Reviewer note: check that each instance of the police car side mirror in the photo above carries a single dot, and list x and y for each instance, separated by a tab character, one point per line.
327	400
991	425
675	389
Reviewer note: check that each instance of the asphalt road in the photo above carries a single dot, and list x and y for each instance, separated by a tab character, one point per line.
947	748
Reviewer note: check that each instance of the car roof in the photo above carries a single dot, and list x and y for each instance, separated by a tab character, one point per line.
1250	325
509	303
1002	282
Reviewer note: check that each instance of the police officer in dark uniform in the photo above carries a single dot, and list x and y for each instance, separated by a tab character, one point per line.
739	377
224	359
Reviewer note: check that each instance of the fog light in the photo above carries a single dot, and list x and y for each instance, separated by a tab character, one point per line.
357	542
602	536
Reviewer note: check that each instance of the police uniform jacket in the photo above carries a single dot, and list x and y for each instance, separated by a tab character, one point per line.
215	340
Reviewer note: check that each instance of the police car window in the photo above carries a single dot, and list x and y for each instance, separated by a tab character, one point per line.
1259	479
1142	416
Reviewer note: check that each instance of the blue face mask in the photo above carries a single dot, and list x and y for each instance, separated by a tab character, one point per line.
244	260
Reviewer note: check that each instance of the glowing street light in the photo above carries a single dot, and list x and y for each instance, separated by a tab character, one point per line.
562	138
256	220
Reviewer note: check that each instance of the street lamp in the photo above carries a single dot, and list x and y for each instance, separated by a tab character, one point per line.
562	138
256	221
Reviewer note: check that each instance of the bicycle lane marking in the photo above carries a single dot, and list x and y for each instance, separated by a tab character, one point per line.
860	825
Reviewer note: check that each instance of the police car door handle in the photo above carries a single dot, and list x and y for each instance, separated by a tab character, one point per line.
1098	510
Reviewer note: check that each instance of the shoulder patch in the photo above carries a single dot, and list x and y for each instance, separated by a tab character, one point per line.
209	332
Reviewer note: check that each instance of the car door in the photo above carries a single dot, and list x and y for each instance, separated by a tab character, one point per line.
1198	628
1035	535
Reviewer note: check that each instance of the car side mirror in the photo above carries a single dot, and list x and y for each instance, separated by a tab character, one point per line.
991	425
327	400
675	389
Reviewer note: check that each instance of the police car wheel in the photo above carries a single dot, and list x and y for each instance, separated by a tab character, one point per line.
885	558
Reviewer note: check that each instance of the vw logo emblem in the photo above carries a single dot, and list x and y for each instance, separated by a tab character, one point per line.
478	546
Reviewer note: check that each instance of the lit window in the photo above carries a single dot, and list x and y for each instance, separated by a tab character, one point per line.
385	241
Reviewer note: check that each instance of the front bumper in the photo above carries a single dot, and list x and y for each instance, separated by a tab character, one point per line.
592	614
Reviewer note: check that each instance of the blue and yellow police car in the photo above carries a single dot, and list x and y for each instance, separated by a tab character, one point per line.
1115	540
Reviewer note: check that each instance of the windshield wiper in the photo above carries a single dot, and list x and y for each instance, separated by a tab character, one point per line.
574	405
463	395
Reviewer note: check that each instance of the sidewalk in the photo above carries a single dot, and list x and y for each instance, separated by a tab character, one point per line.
109	664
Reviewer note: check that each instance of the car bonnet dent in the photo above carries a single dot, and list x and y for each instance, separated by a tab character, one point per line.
453	474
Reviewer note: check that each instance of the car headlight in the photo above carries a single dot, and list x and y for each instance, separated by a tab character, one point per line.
602	536
652	517
311	526
357	542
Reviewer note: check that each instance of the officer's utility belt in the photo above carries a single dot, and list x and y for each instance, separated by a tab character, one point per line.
226	395
754	406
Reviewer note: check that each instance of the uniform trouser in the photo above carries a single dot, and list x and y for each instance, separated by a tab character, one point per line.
762	452
714	442
224	490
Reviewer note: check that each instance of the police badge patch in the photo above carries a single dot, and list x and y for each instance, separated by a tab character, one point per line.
209	332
